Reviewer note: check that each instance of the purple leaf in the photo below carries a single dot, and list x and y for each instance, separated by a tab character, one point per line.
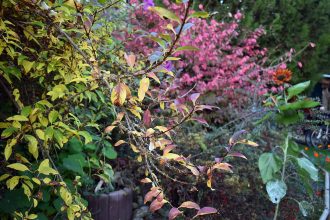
194	97
206	211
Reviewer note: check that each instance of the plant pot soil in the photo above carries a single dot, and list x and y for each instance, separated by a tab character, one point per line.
117	205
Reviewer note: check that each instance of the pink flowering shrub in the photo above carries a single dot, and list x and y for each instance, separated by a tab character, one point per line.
229	62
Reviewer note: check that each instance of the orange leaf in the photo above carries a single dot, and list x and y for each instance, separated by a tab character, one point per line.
146	180
118	94
130	59
119	142
222	166
109	129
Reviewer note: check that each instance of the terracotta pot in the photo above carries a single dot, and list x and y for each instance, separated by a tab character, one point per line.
117	205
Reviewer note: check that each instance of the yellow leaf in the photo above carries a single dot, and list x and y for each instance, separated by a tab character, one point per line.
32	216
18	166
44	168
171	156
33	145
162	105
9	146
41	134
18	118
37	181
66	196
27	190
144	85
46	180
35	203
136	111
118	94
12	182
120	142
4	176
139	158
134	148
247	142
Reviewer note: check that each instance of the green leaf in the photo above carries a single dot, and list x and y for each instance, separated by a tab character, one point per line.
305	208
75	145
186	48
18	166
18	118
199	14
53	115
87	136
297	89
27	65
75	163
268	164
162	12
276	190
305	164
301	104
109	152
159	41
8	132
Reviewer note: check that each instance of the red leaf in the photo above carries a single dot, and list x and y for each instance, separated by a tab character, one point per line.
147	118
236	154
155	205
190	205
206	211
146	180
174	212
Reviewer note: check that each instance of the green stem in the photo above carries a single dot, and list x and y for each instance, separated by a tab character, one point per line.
285	151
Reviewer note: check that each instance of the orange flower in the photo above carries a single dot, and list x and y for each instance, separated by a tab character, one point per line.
281	76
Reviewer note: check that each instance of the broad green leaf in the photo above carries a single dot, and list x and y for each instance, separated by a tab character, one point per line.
162	12
8	132
44	168
27	65
87	136
199	14
268	164
297	89
109	152
187	48
18	166
305	164
53	115
75	163
301	104
33	145
276	190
